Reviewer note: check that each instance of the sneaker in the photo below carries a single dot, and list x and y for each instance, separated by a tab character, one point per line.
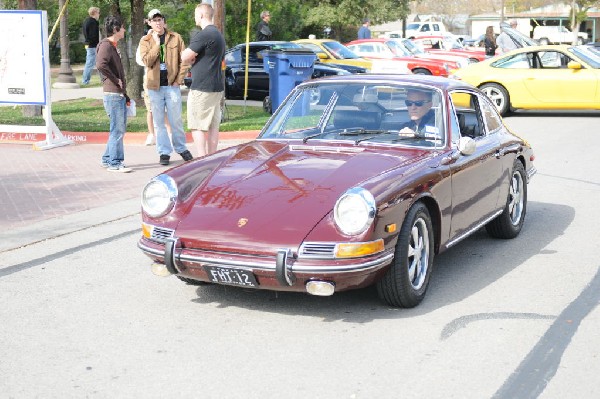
186	155
150	139
119	168
164	159
104	164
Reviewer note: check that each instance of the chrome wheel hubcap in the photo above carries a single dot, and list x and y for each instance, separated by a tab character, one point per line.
418	254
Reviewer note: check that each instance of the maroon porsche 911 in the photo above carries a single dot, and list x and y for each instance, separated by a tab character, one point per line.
355	180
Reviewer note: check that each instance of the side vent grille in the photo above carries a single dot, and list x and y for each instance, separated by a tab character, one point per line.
320	250
161	234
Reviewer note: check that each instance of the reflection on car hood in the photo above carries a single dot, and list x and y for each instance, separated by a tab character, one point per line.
268	185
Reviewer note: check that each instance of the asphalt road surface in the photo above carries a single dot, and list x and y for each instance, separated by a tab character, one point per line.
82	316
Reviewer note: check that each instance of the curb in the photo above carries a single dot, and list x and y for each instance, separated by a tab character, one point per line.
102	137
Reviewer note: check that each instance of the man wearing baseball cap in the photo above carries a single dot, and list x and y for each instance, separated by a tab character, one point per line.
364	32
160	50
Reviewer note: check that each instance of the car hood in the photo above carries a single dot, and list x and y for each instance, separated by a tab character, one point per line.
271	194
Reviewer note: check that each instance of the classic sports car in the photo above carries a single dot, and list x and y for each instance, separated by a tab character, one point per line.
363	188
258	78
448	45
390	49
539	77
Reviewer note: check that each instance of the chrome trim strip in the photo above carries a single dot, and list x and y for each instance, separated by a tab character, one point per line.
474	229
269	265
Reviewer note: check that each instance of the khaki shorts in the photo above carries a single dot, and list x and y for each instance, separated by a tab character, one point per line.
203	110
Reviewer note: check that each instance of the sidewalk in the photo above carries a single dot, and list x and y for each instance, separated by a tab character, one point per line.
48	193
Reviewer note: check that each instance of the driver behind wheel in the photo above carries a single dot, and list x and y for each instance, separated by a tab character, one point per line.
422	117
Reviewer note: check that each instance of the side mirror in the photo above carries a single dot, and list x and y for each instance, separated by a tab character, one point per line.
322	56
466	145
573	65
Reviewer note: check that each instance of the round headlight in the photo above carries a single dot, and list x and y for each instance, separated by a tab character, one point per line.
159	195
354	211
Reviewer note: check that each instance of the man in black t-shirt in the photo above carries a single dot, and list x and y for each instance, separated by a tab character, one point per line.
91	34
205	52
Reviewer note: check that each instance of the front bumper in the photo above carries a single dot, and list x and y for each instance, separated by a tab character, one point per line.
281	271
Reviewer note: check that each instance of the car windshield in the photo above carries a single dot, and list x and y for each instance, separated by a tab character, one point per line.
520	39
361	113
398	48
339	50
589	54
413	47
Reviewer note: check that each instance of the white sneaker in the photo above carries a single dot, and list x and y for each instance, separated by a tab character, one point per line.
119	168
150	139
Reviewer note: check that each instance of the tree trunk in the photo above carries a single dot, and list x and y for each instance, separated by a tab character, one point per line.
135	74
30	110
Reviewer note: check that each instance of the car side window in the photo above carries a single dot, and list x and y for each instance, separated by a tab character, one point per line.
468	114
490	116
517	61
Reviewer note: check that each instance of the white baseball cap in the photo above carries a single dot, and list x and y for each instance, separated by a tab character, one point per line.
154	12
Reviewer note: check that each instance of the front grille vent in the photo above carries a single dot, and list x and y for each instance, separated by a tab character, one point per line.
161	234
323	250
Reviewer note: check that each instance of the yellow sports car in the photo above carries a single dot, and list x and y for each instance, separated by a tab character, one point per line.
538	77
332	51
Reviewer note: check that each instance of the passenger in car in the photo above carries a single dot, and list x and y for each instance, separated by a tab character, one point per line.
422	117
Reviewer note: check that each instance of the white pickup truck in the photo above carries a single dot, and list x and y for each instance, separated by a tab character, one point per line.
557	35
416	29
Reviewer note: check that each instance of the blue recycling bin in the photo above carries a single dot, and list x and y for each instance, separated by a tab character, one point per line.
287	68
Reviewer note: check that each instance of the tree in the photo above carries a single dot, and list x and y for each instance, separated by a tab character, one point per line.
579	9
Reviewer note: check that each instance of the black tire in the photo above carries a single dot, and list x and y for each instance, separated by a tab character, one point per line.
510	222
498	95
191	281
421	71
405	283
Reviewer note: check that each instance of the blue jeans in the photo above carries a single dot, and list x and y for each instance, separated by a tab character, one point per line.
116	109
90	63
169	98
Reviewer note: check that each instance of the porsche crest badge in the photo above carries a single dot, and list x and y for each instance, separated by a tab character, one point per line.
242	222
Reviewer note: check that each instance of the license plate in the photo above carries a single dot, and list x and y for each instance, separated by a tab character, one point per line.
227	275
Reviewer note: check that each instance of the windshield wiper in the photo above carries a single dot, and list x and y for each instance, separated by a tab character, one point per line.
312	136
358	132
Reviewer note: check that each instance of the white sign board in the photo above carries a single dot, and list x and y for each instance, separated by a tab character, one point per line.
23	58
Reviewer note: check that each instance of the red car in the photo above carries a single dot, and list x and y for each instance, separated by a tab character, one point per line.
363	187
448	45
390	49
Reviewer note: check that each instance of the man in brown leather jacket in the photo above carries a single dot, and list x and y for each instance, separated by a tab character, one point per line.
160	51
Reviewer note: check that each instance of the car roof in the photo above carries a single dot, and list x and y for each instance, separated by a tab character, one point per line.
429	80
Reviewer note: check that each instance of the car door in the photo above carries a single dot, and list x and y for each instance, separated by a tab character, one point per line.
551	81
476	178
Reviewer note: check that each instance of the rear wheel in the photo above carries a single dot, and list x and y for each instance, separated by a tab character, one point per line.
406	281
498	95
510	222
544	41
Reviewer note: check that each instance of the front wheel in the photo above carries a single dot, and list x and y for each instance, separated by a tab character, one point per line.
498	95
405	283
510	222
421	71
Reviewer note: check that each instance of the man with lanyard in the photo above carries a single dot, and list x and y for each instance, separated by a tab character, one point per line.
160	51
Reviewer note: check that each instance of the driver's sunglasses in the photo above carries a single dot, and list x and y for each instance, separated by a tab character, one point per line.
416	103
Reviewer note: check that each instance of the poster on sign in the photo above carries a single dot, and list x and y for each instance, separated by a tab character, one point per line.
23	58
25	72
